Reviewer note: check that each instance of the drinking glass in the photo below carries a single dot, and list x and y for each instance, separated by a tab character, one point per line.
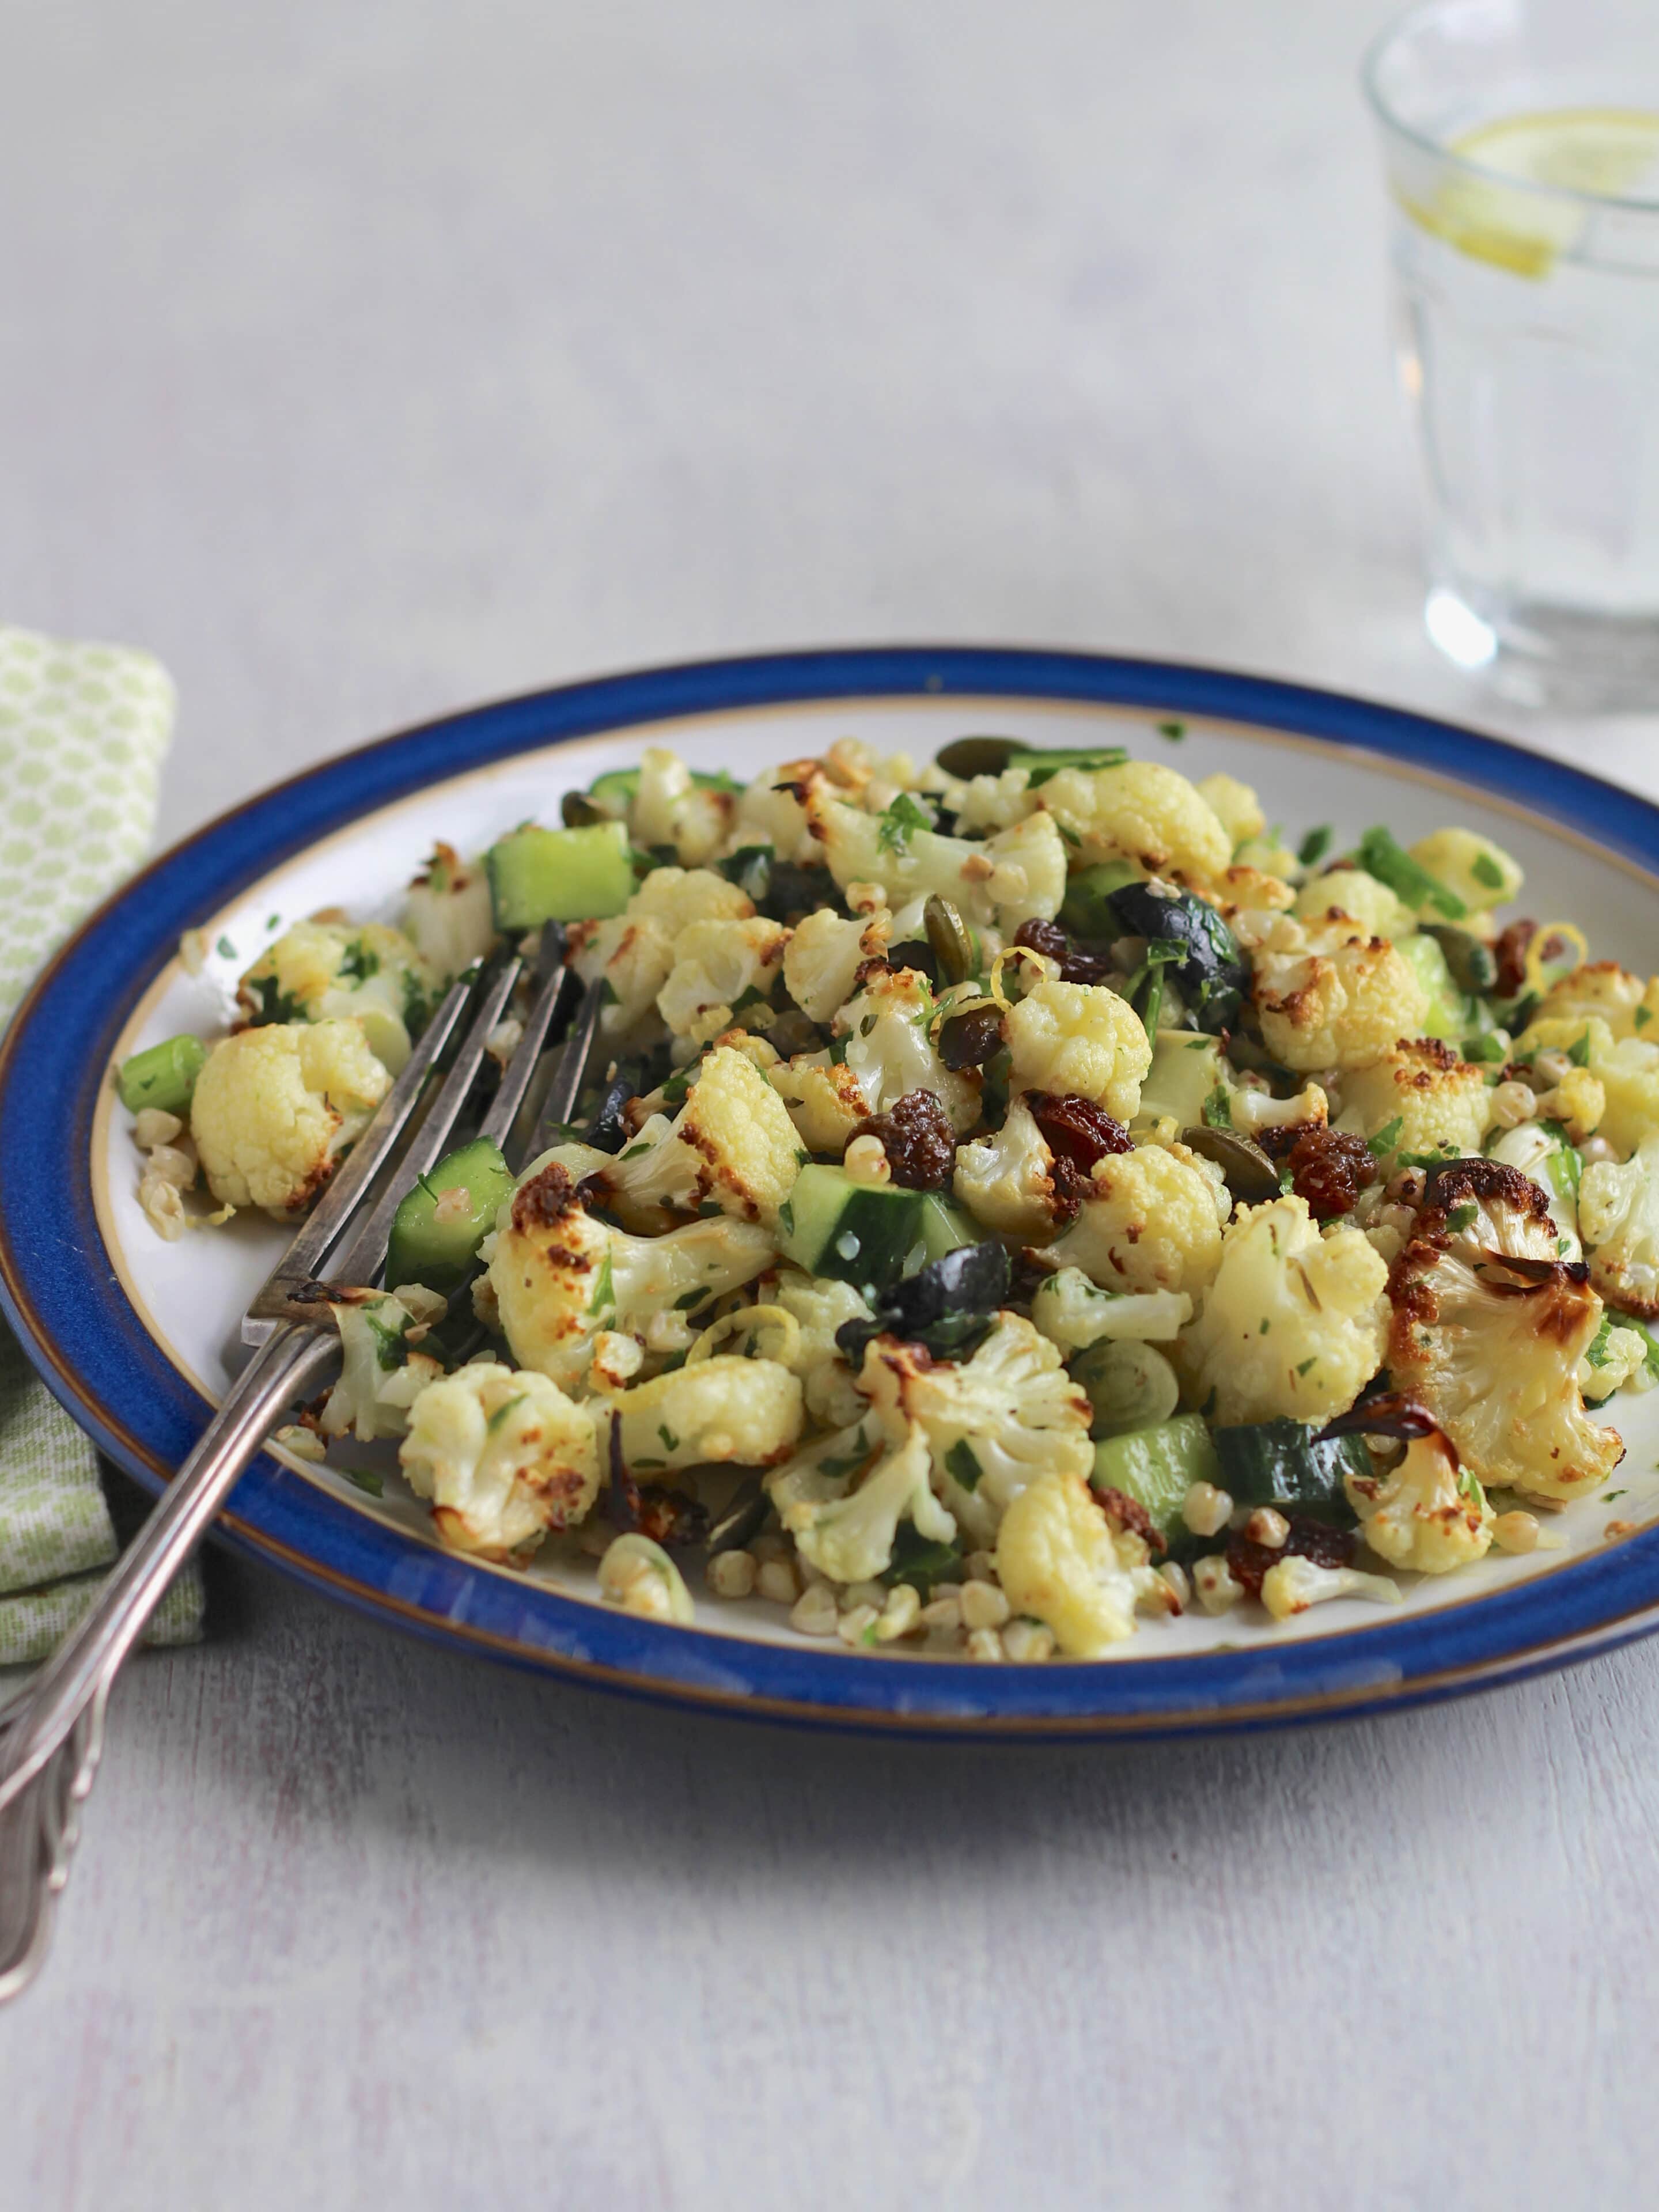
1520	144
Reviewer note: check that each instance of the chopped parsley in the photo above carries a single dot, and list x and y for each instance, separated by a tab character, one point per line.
359	962
1578	1054
671	1442
900	822
849	1463
1381	855
1315	846
962	1466
1174	731
225	949
365	1478
1304	1366
1596	1351
1386	1137
1644	1016
1485	870
499	1416
1483	1049
603	1290
1218	1109
1463	1217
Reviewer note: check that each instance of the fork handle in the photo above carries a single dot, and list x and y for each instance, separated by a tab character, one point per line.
86	1662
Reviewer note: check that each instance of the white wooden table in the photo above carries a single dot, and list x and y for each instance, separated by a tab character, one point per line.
366	360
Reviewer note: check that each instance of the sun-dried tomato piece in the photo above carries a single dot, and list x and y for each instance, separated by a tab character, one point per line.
1329	1169
1074	1128
1129	1513
1308	1539
916	1135
1510	953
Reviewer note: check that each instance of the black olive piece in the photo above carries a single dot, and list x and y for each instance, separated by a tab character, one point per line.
969	757
917	952
1211	975
971	1037
945	1306
1391	1413
950	937
1251	1176
1473	963
751	869
794	1032
578	811
741	1518
793	892
608	1132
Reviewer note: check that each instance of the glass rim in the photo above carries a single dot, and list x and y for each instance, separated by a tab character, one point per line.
1564	195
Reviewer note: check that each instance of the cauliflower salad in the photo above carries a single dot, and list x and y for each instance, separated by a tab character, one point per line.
1017	1199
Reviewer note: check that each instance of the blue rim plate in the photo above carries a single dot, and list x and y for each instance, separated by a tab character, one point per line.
61	1292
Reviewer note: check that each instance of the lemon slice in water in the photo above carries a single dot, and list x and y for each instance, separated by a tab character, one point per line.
1598	153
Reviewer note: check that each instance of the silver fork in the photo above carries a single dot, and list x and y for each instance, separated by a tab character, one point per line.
51	1736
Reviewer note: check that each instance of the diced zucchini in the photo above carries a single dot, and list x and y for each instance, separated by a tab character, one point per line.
1279	1463
1450	1014
853	1232
162	1075
439	1249
1185	1071
1085	911
559	875
945	1228
1157	1468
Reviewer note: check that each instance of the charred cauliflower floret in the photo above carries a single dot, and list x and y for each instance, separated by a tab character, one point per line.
993	1422
1018	875
557	1276
1628	1006
823	962
1422	1095
1062	1560
823	1098
1626	1067
1618	1219
1293	1323
1364	901
1426	1514
1006	1179
504	1457
884	1042
1140	812
1341	1001
1080	1039
720	968
322	970
732	1145
711	1411
448	914
668	808
634	950
843	1498
275	1107
1487	1331
1148	1223
1470	867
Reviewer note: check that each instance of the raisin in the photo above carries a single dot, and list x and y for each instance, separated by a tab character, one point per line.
1079	962
1510	951
1076	1129
1279	1138
971	1037
916	1135
1317	1540
1329	1169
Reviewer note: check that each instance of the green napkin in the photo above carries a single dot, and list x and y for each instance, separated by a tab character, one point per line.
84	731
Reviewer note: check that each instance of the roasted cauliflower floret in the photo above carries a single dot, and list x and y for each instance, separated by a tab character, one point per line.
1293	1323
993	1422
1426	1515
1423	1095
1018	875
1547	1159
1074	1313
1487	1334
381	1374
889	1053
1628	1006
634	953
558	1277
711	1410
447	914
320	971
275	1107
1364	901
1006	1178
823	960
823	1098
1234	805
1616	1359
820	1307
504	1457
638	1576
842	1500
1344	1000
1627	1068
1141	811
669	809
732	1145
1470	867
1060	1560
1080	1039
1148	1223
1618	1218
721	969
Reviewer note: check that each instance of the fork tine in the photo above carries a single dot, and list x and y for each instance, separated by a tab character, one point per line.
550	1001
571	1072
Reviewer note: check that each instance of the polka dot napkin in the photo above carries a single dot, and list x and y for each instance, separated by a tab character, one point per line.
84	731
